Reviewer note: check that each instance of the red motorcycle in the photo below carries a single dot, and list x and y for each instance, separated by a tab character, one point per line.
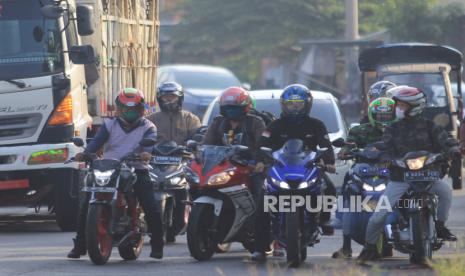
223	206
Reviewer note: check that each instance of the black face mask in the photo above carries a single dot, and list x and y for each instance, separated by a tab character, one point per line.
170	106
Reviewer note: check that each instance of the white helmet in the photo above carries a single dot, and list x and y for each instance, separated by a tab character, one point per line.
411	95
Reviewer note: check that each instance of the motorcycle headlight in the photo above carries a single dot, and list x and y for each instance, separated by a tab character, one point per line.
103	178
417	163
192	177
220	178
367	187
175	180
380	187
281	184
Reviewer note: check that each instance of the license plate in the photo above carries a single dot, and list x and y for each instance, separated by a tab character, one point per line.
99	189
166	160
422	176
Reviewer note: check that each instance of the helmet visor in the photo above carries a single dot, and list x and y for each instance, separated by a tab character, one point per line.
294	106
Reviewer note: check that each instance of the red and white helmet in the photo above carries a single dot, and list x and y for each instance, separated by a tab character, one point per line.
411	95
130	97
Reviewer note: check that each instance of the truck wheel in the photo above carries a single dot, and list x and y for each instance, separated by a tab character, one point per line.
65	203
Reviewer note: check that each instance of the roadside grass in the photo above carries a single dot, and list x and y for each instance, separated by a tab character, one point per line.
451	266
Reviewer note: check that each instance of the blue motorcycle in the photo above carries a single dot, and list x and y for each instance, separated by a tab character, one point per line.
295	172
367	178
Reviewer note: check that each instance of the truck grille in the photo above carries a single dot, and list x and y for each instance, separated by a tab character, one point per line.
19	127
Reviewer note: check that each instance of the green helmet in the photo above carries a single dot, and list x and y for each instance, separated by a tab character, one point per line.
253	101
382	112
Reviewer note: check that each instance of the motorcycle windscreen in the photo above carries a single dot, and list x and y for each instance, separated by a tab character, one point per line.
292	153
105	164
211	156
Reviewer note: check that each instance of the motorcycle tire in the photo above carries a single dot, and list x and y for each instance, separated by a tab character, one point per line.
294	238
199	240
421	244
130	251
98	238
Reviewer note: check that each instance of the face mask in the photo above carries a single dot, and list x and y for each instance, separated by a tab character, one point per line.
130	116
400	114
234	113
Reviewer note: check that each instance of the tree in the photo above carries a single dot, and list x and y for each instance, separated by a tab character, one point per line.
239	34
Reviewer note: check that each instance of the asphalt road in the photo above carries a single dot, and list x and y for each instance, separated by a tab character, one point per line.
39	248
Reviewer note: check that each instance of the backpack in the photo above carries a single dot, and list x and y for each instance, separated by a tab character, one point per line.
266	116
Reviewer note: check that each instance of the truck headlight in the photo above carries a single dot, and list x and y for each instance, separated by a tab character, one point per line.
103	178
48	156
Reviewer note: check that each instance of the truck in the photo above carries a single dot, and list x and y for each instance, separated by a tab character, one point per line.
433	69
62	63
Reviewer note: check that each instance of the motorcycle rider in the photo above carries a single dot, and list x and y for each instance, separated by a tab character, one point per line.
235	104
234	119
378	89
381	113
412	132
120	136
295	123
178	125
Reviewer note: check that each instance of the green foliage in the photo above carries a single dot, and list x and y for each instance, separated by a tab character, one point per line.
238	34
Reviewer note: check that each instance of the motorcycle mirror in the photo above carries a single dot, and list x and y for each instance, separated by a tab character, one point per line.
192	145
241	148
147	142
338	143
78	142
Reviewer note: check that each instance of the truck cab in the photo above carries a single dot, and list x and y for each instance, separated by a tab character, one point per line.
62	63
428	67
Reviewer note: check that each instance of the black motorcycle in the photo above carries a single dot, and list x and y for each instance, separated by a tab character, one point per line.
114	214
168	178
412	228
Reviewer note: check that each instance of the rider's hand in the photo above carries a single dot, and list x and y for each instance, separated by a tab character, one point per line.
342	155
260	167
330	168
145	157
79	157
454	152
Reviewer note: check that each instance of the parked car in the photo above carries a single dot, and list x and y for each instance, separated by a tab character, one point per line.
201	83
325	108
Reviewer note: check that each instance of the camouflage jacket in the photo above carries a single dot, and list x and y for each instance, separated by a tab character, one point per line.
415	134
362	135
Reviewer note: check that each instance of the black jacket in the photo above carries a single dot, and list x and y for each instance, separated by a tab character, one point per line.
310	130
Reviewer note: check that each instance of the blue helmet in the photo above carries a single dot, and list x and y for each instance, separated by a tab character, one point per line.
296	101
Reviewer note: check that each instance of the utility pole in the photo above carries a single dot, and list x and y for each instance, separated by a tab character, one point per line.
351	7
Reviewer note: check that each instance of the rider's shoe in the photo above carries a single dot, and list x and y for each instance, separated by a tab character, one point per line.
78	250
343	254
444	233
369	253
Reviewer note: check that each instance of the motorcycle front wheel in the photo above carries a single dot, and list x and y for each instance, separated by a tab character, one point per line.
421	229
294	236
199	240
98	237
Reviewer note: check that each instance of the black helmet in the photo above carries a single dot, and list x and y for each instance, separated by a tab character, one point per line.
170	88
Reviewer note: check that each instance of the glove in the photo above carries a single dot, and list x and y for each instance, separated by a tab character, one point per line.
145	157
79	157
330	168
260	167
